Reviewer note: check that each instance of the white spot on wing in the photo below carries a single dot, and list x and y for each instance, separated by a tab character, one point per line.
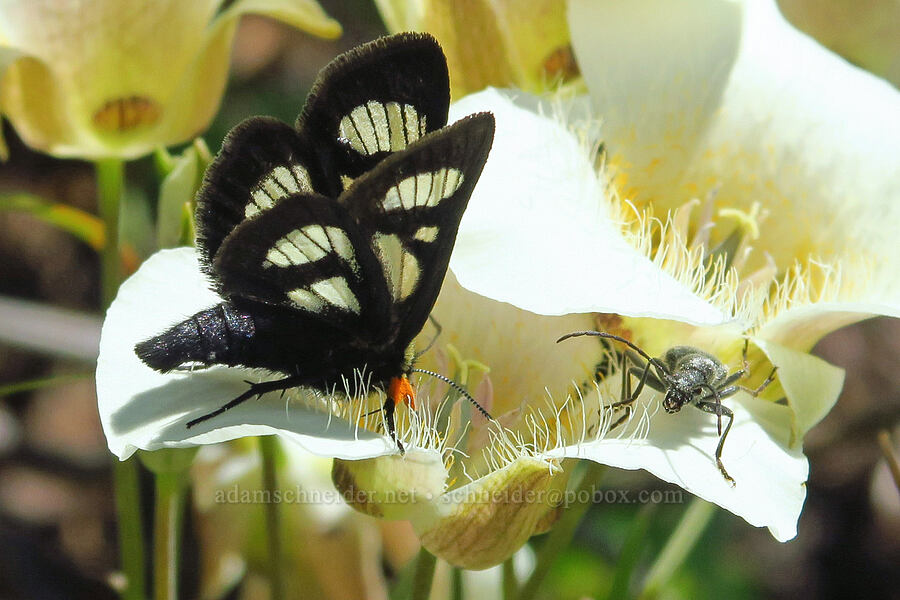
397	128
379	116
400	267
277	184
426	234
376	126
309	244
341	244
424	189
336	292
305	299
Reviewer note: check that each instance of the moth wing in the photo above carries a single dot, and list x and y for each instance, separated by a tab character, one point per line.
373	101
262	162
409	208
307	254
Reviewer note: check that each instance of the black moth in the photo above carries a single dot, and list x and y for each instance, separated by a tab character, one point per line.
330	240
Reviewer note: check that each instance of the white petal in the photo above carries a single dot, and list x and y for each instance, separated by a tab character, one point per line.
656	71
537	232
141	408
811	385
801	326
815	140
680	449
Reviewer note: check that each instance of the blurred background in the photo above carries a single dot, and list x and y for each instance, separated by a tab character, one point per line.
57	520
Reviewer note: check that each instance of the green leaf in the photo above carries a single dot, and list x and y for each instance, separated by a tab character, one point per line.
85	226
36	384
177	191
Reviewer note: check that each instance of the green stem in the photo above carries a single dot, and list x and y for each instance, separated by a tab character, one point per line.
36	384
170	492
510	584
678	547
560	537
631	552
131	531
269	450
424	575
456	584
110	185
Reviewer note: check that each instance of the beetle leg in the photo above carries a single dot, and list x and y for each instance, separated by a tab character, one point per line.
720	411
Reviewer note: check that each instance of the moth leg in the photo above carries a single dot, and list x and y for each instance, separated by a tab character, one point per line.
437	334
256	389
388	408
720	411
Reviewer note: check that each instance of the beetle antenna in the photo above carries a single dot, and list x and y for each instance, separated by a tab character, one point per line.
629	343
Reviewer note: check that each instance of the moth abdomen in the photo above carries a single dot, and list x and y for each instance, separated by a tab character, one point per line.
217	335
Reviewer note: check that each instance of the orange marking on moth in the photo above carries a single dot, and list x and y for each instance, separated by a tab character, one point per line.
401	390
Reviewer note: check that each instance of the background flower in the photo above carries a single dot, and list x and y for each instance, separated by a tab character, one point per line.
520	44
109	78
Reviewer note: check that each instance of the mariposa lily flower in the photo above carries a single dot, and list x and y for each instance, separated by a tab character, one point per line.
452	472
670	233
109	78
520	44
747	191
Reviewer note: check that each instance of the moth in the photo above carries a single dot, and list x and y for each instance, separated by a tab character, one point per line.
329	240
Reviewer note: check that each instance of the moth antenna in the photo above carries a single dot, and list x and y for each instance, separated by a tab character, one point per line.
458	388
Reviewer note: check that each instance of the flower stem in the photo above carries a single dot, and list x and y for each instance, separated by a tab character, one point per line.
631	552
563	531
170	492
510	584
424	575
678	547
268	449
456	584
131	531
110	185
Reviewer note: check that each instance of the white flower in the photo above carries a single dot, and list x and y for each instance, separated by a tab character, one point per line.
726	133
142	408
435	484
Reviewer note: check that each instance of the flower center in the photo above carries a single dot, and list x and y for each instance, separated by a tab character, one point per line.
125	114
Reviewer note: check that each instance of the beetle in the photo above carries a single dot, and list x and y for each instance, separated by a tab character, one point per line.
686	375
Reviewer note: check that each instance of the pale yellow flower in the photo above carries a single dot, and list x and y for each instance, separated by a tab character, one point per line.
117	78
521	43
